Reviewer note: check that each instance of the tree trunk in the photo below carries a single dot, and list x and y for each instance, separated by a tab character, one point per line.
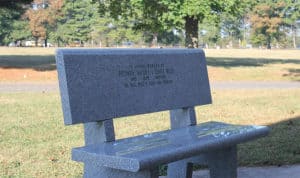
36	41
268	42
294	31
106	42
46	43
191	32
154	40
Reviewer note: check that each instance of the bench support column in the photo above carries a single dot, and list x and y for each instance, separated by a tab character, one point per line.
180	169
99	132
181	118
223	163
96	133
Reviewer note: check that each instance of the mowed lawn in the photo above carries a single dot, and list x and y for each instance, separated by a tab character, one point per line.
253	65
35	143
38	65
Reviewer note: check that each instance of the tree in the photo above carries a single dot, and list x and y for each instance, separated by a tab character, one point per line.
140	18
76	23
167	14
266	19
42	19
291	15
6	18
234	25
210	33
37	19
10	11
55	12
120	31
20	31
14	4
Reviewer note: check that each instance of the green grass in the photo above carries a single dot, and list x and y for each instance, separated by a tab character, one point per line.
35	143
253	65
36	62
253	69
223	65
279	109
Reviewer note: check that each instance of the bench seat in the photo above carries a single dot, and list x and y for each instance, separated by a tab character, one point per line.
145	151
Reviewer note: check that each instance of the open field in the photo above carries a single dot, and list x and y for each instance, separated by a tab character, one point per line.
27	64
38	64
35	143
253	65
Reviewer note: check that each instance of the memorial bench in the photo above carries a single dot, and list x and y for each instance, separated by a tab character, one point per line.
97	85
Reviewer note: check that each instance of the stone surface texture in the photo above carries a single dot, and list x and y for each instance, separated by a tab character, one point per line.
100	84
146	151
286	171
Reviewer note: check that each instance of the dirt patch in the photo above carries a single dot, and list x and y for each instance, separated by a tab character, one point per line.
25	75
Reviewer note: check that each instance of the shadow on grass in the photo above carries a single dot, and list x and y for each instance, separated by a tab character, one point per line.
46	63
246	62
293	73
38	63
280	147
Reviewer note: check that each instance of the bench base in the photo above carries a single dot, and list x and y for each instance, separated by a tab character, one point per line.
222	164
211	143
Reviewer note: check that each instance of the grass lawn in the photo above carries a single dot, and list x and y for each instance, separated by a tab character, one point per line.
38	64
253	65
27	64
35	143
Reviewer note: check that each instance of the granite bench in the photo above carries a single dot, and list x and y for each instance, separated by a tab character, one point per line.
98	85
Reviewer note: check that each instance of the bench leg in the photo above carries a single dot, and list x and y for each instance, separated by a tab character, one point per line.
180	169
91	171
223	163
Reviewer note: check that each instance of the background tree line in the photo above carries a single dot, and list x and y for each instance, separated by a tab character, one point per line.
190	23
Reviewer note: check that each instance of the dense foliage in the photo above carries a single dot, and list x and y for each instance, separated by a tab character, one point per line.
14	4
106	23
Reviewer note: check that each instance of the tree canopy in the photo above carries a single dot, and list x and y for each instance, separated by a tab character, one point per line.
10	11
228	23
14	4
157	16
266	20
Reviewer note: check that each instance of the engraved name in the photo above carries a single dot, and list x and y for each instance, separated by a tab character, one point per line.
145	75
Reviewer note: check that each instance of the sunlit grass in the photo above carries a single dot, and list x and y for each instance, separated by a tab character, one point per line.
229	53
35	143
254	53
32	51
38	64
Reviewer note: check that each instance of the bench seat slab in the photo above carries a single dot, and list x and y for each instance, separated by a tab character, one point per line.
146	151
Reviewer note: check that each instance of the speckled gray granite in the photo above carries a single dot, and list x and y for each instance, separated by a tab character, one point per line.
286	171
99	84
143	152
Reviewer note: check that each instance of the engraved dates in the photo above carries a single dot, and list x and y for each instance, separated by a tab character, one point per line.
145	75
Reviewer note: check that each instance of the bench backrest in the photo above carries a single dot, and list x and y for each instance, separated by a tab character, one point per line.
101	84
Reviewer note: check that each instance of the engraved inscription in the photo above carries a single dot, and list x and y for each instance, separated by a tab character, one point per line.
145	75
225	131
141	145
